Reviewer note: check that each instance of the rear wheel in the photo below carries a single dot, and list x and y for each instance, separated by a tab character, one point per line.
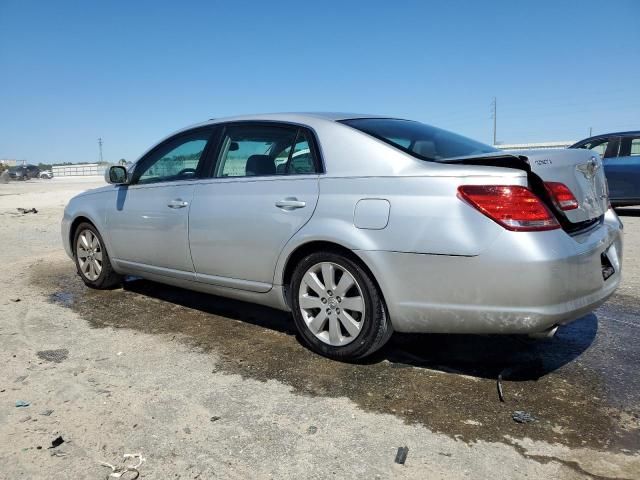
92	259
337	307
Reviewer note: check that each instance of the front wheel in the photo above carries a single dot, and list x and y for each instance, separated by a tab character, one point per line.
92	259
337	307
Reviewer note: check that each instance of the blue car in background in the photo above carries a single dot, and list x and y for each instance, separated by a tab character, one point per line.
621	159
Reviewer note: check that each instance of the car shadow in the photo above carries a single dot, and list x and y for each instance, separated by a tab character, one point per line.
515	357
628	212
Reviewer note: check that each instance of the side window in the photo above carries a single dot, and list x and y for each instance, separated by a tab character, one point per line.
599	146
301	161
262	150
630	147
178	159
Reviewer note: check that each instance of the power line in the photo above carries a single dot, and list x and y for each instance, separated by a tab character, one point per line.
494	115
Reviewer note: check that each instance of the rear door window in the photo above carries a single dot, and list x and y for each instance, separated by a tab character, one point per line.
250	150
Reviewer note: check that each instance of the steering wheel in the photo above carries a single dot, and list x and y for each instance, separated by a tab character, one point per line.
184	171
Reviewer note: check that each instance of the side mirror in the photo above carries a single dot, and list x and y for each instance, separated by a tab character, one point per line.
116	175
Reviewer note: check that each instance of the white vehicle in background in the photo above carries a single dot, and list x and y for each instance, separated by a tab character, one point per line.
46	174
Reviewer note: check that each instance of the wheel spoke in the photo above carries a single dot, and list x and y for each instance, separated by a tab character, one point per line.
328	276
355	304
345	283
82	252
98	255
313	282
85	267
84	240
334	330
317	324
91	273
97	268
310	302
94	241
349	323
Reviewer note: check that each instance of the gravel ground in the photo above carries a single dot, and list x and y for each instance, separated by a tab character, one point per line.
205	387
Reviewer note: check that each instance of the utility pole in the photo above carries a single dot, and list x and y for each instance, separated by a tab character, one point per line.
100	148
590	134
494	115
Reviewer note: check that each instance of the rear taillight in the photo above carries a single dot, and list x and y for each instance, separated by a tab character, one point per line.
512	206
561	195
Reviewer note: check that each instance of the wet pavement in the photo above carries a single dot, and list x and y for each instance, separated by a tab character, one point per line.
582	387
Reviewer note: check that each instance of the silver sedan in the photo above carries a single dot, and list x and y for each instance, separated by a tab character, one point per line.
358	225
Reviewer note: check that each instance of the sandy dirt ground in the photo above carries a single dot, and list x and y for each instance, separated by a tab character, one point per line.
205	387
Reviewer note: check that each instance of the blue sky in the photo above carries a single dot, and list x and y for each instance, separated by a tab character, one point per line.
133	71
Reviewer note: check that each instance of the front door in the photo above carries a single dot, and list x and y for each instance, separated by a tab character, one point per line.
148	221
264	189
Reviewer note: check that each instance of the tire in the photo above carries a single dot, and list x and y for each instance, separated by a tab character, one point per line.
346	322
92	259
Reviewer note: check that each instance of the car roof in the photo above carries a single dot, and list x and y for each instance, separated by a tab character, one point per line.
631	133
298	116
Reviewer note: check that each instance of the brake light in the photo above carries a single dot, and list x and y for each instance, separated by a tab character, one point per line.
561	195
512	206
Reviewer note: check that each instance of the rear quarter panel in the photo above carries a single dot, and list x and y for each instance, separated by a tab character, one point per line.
425	216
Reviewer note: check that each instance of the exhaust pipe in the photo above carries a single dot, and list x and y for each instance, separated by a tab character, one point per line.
545	334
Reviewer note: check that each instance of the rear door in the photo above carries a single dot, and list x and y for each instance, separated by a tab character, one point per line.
147	220
264	188
623	171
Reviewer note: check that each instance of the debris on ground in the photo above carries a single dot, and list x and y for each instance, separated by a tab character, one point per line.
499	385
46	413
401	456
19	379
56	356
25	419
15	300
24	211
312	429
118	472
22	403
214	418
522	417
56	442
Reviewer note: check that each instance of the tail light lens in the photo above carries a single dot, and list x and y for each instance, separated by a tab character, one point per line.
561	195
512	206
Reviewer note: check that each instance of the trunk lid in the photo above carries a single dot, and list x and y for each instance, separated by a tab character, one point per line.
580	170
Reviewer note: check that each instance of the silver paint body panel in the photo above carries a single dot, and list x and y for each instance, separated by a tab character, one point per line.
441	265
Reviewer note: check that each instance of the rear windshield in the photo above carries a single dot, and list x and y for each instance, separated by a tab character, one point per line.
422	141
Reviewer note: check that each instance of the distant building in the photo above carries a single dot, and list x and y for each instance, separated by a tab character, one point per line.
10	162
533	146
80	170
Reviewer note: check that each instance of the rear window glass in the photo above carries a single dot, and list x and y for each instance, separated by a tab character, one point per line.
420	140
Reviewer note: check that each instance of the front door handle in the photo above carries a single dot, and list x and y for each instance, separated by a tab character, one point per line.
290	204
177	203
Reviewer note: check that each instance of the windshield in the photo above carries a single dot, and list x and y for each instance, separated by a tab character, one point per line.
422	141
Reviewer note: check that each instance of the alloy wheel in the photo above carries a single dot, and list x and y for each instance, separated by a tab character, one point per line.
89	254
331	303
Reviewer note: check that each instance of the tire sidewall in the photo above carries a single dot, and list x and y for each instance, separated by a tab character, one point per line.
106	264
373	309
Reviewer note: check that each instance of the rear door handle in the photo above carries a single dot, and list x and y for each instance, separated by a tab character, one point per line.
290	204
177	203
